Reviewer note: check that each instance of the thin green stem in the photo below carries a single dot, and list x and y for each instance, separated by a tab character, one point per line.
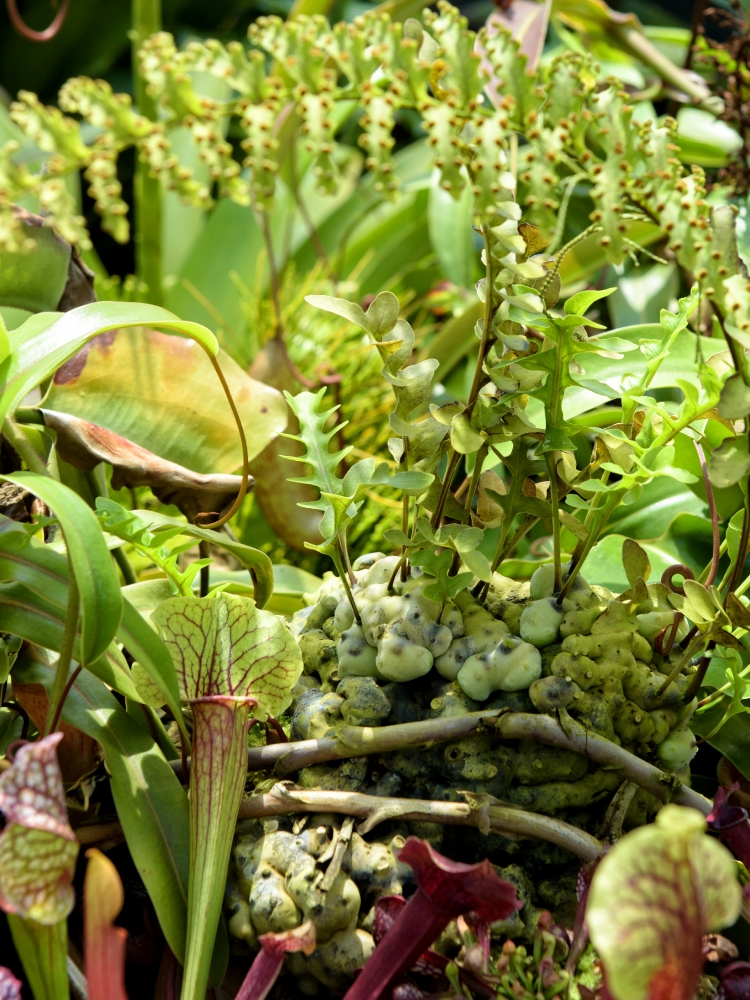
26	451
686	657
474	481
146	20
66	652
709	699
594	531
128	573
336	556
486	323
446	485
504	550
646	51
555	504
204	553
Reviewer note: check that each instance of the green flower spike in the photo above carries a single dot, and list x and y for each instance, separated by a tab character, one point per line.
229	656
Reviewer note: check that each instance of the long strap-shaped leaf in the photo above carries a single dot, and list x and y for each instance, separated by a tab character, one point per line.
45	341
90	562
151	804
26	614
35	609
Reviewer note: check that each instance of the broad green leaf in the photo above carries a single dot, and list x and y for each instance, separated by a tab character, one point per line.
36	611
380	318
162	393
38	848
225	646
735	398
729	463
90	561
703	139
451	234
653	897
35	281
732	739
45	342
151	804
687	540
642	292
464	438
698	596
26	614
635	561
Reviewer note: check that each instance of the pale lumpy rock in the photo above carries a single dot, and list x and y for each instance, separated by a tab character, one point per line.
513	665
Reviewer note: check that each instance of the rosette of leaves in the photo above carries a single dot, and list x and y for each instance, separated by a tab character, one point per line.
229	657
435	552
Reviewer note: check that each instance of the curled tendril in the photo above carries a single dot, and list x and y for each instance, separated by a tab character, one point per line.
37	36
212	519
676	569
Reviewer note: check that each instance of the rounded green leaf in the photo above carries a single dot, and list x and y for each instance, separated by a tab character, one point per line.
161	392
45	341
90	561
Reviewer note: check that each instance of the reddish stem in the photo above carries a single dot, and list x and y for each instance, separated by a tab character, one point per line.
415	928
715	556
36	36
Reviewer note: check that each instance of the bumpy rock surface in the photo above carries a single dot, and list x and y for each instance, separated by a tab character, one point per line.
592	658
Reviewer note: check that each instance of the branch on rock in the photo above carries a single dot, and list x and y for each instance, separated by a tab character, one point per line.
570	735
482	811
359	741
356	741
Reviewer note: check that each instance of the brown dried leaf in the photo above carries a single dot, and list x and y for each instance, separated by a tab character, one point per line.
83	445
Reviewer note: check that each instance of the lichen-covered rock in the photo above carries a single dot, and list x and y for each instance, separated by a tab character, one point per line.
540	621
591	656
513	665
278	881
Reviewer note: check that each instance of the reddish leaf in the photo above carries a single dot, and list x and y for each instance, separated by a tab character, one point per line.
457	888
10	987
445	889
732	825
267	964
104	944
735	981
31	791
